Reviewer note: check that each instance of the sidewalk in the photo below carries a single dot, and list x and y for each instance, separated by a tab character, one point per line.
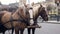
53	22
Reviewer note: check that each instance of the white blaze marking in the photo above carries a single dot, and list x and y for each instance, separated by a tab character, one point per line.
31	16
33	12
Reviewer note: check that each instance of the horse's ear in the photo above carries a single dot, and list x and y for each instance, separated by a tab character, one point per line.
41	5
25	5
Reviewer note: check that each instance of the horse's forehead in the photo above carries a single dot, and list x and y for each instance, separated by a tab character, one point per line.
37	5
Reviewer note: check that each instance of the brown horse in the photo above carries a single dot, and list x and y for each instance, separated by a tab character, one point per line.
2	27
38	10
17	20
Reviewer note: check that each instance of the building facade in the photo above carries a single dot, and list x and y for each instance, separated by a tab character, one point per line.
53	6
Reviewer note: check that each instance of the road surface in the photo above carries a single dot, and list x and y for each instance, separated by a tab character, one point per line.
47	28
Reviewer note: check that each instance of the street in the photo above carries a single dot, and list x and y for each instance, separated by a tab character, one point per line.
47	28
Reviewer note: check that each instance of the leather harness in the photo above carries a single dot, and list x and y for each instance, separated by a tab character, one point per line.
11	20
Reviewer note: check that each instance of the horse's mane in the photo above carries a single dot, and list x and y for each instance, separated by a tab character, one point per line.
20	11
35	9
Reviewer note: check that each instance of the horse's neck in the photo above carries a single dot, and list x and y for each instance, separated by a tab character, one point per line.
35	12
21	12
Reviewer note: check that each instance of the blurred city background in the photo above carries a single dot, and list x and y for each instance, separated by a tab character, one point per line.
53	10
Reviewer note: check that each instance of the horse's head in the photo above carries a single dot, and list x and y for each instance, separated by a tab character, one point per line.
43	13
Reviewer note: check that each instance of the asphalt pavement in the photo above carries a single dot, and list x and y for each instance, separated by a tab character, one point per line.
47	28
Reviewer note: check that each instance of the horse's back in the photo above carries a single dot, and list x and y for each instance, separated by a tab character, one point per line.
1	14
2	28
4	17
4	14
